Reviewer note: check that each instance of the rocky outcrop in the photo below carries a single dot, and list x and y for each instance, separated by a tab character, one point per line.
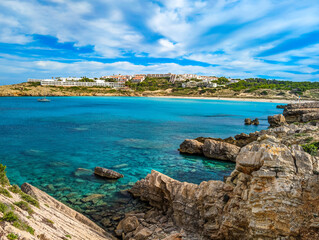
107	173
36	215
302	112
272	193
276	120
220	150
281	106
190	146
248	121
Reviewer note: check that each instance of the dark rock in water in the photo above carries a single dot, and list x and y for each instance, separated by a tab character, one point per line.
255	122
281	106
191	147
247	121
276	120
107	173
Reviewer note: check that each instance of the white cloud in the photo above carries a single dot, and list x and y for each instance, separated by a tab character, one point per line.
226	33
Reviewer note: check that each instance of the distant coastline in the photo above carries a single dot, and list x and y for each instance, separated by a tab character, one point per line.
237	99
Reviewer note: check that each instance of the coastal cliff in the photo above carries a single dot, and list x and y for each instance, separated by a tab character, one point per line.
271	194
29	213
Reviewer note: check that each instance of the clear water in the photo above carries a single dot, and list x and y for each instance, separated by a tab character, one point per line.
45	143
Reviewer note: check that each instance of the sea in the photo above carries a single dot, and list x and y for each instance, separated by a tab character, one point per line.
56	145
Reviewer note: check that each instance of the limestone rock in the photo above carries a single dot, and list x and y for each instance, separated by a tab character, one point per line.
272	194
302	112
220	150
63	220
190	146
107	173
143	234
127	225
276	120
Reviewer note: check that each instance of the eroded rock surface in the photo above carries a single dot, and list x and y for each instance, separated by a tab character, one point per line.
272	194
220	150
44	218
302	112
276	120
191	146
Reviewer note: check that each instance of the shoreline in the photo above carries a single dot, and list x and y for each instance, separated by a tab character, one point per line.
266	100
237	99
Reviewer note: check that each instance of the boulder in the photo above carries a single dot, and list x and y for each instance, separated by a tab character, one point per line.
247	121
276	120
255	121
220	150
190	146
107	173
127	225
143	234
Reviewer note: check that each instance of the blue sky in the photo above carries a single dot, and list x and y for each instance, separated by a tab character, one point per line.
233	38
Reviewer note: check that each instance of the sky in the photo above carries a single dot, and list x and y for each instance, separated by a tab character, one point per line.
233	38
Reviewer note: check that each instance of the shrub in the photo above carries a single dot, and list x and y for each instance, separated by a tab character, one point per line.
23	226
3	207
3	177
15	189
10	217
5	192
12	236
25	206
30	199
311	148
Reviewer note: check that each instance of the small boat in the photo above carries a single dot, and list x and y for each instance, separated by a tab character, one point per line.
44	99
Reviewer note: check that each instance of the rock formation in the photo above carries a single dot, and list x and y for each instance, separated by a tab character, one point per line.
272	194
190	146
107	173
32	214
248	121
302	112
276	120
220	150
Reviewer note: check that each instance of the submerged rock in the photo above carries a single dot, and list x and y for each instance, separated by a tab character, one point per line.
107	173
220	150
190	146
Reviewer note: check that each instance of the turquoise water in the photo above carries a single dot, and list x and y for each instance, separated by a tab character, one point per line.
45	143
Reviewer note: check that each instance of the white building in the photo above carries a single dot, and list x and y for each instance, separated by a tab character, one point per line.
83	84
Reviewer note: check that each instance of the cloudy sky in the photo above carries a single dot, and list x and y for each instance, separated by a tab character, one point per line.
233	38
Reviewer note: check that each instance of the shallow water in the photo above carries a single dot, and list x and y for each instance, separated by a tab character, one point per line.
44	143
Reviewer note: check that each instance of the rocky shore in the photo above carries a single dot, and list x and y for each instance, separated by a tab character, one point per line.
29	213
271	194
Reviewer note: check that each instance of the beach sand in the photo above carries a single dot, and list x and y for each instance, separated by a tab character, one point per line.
285	101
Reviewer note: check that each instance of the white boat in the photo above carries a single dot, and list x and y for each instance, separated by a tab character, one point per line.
44	99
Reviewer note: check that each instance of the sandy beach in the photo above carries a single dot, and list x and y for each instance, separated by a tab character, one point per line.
237	99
